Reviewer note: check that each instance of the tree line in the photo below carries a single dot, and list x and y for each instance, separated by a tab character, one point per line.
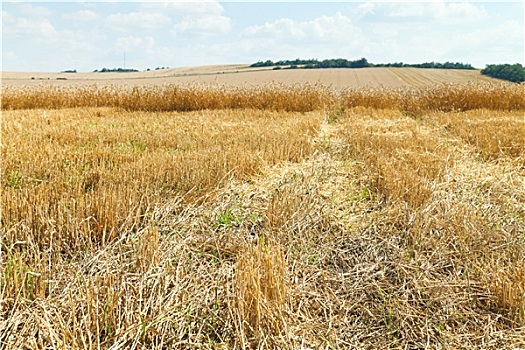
438	65
360	63
511	72
115	70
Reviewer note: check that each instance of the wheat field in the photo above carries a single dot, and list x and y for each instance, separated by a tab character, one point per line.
264	217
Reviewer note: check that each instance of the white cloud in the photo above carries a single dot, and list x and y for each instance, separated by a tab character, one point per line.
280	27
33	28
202	25
32	10
323	27
211	7
7	17
460	11
129	43
365	9
501	43
409	10
9	55
82	15
505	33
474	44
321	37
143	20
441	11
415	32
337	26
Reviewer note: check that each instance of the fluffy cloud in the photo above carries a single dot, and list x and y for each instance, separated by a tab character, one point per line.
7	17
337	26
460	11
502	43
323	27
441	11
364	9
281	27
202	25
210	7
328	36
82	15
10	55
143	20
200	17
33	10
506	33
132	42
36	28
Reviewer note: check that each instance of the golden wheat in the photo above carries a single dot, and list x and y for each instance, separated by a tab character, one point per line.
493	134
189	97
442	98
282	97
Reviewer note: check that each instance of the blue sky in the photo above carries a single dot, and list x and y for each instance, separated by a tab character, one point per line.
55	36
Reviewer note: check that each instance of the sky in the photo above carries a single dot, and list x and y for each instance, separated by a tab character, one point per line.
57	36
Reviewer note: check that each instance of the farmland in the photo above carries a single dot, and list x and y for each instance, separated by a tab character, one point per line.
275	215
243	75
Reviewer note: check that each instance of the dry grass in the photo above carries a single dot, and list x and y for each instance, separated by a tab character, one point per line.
253	228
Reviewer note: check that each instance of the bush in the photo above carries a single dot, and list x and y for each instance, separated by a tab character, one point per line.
514	72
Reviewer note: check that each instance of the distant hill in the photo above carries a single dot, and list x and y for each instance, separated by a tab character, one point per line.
243	74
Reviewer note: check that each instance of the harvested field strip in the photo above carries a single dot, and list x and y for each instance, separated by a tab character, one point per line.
242	76
417	77
467	266
87	175
413	77
403	156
